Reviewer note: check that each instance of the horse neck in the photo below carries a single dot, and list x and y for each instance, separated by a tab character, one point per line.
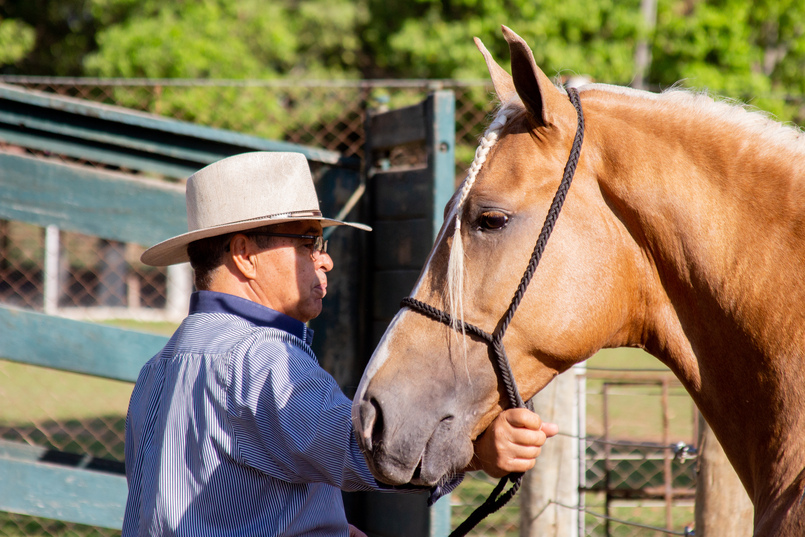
720	218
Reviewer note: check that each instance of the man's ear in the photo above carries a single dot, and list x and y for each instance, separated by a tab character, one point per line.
243	256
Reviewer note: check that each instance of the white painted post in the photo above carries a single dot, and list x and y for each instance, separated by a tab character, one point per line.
179	287
581	442
723	507
52	270
550	491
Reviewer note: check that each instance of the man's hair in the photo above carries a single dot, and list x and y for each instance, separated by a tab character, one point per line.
206	255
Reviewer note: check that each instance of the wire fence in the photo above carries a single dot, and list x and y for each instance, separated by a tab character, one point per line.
640	462
636	482
85	272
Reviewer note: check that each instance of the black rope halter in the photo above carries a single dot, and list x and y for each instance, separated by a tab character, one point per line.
495	339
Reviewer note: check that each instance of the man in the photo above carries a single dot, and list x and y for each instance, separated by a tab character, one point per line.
233	428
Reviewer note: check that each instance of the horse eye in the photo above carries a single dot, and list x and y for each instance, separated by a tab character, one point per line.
494	220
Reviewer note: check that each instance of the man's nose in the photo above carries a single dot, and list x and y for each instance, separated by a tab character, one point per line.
324	262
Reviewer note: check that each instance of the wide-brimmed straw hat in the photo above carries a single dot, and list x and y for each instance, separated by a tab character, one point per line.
243	192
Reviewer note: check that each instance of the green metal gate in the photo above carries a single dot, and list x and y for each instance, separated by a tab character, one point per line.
410	174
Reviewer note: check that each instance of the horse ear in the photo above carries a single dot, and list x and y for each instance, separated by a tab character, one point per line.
501	80
533	86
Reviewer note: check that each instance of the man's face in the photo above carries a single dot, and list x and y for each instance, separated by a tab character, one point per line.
293	279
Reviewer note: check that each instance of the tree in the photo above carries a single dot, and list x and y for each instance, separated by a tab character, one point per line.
43	37
16	40
752	51
433	38
225	39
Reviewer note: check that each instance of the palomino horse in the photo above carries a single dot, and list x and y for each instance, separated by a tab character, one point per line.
683	233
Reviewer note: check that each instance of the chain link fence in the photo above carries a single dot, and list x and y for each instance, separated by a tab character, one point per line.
640	462
634	479
75	275
641	429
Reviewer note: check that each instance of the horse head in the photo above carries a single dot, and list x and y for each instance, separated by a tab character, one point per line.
431	389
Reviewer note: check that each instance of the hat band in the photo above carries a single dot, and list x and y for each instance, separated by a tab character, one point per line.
276	216
294	214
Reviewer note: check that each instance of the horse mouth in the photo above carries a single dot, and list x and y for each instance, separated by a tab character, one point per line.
392	469
394	462
416	477
440	457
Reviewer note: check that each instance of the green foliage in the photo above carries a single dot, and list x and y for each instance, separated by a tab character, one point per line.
752	51
187	40
227	39
747	50
434	40
54	35
16	40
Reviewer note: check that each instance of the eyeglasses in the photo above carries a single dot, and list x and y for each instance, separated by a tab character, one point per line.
319	245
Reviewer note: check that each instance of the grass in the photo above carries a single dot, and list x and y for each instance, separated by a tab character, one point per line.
68	411
470	494
625	358
13	525
646	513
506	521
635	409
34	394
161	328
63	411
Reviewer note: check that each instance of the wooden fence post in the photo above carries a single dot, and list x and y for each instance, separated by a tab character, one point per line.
179	287
554	480
722	508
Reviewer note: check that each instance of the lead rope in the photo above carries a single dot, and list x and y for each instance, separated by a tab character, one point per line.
495	340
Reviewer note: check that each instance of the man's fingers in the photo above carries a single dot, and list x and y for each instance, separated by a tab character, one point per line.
525	419
550	429
522	417
526	437
522	465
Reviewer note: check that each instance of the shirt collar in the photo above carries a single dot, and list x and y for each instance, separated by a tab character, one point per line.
257	314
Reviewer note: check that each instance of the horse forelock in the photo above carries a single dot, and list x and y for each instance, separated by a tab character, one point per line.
455	265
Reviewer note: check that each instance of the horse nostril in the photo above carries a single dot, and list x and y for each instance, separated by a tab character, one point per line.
377	430
371	423
367	415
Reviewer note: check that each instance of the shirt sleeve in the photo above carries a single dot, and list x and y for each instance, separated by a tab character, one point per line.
290	419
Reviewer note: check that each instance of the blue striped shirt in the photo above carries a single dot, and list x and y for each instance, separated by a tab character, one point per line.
235	429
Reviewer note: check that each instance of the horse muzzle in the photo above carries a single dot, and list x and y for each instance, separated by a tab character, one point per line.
414	412
406	446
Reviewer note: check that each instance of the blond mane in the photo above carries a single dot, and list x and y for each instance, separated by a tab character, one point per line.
745	117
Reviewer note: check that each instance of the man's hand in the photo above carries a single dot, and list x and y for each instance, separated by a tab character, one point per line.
511	443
